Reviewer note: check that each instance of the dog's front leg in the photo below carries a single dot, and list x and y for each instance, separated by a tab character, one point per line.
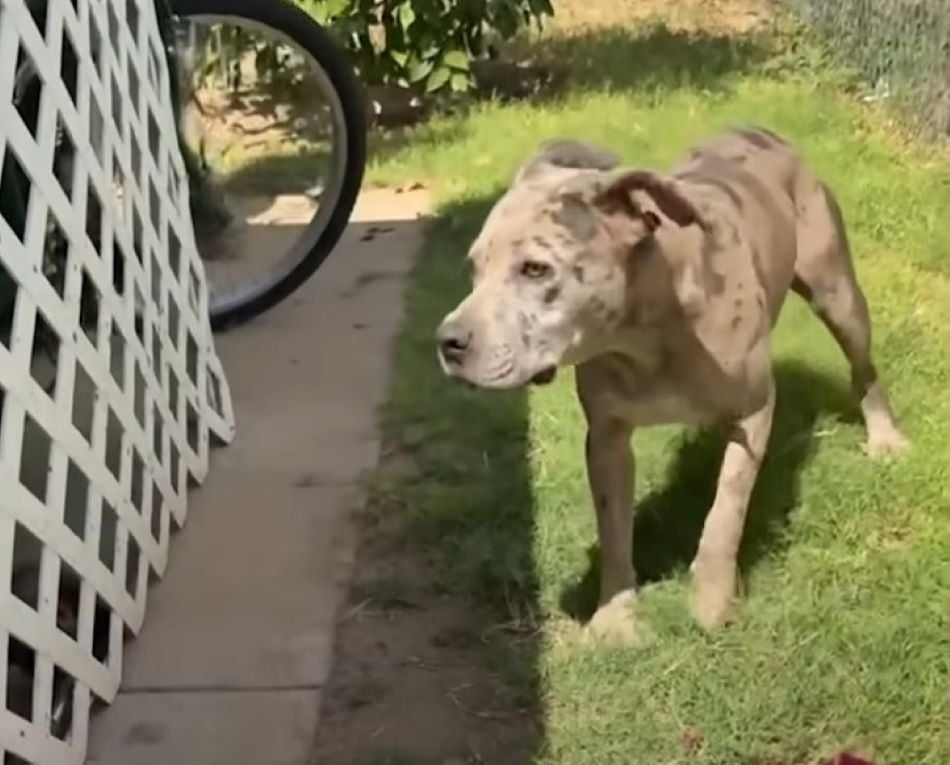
610	470
715	566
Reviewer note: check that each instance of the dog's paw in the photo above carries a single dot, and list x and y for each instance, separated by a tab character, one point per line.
886	441
615	623
715	592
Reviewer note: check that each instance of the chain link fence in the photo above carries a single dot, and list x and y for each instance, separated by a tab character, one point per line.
902	47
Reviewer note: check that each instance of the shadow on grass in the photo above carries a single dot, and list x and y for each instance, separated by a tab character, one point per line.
646	60
470	447
653	57
669	521
449	530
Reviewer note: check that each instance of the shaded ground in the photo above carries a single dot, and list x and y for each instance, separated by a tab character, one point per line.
421	676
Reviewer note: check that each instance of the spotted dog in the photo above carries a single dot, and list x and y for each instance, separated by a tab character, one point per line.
662	291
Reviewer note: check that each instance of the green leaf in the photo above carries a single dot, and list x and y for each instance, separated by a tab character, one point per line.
399	56
319	13
438	78
419	70
456	59
459	82
406	14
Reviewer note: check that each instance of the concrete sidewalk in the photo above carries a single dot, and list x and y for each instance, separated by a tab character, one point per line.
237	640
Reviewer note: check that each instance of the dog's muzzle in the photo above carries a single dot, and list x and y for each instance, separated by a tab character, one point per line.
454	344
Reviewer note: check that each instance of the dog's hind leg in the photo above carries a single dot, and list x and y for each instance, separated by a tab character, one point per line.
824	276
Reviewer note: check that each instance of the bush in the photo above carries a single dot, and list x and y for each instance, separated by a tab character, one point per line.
423	44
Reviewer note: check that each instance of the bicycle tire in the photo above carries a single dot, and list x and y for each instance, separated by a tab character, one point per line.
282	17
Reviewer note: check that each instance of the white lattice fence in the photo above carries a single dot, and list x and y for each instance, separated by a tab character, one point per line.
109	385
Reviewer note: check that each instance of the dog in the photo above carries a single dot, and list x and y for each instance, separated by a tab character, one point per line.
662	291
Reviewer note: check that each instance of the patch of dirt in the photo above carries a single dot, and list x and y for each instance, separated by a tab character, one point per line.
420	677
724	16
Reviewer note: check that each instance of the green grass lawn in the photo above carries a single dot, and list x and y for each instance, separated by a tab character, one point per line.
843	640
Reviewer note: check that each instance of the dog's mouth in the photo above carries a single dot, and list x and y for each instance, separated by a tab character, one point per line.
545	376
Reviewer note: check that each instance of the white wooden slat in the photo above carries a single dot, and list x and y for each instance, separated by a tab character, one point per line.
31	744
94	471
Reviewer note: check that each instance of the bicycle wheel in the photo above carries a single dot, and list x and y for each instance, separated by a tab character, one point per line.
274	128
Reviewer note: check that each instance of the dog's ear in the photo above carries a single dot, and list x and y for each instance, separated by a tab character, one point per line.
566	153
670	200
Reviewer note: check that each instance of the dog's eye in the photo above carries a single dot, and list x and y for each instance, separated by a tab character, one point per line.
534	269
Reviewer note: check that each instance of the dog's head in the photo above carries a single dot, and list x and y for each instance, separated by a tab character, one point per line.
551	265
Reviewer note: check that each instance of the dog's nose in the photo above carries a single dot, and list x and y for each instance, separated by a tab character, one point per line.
454	342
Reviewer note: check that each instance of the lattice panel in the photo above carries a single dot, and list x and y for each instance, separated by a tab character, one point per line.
110	389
